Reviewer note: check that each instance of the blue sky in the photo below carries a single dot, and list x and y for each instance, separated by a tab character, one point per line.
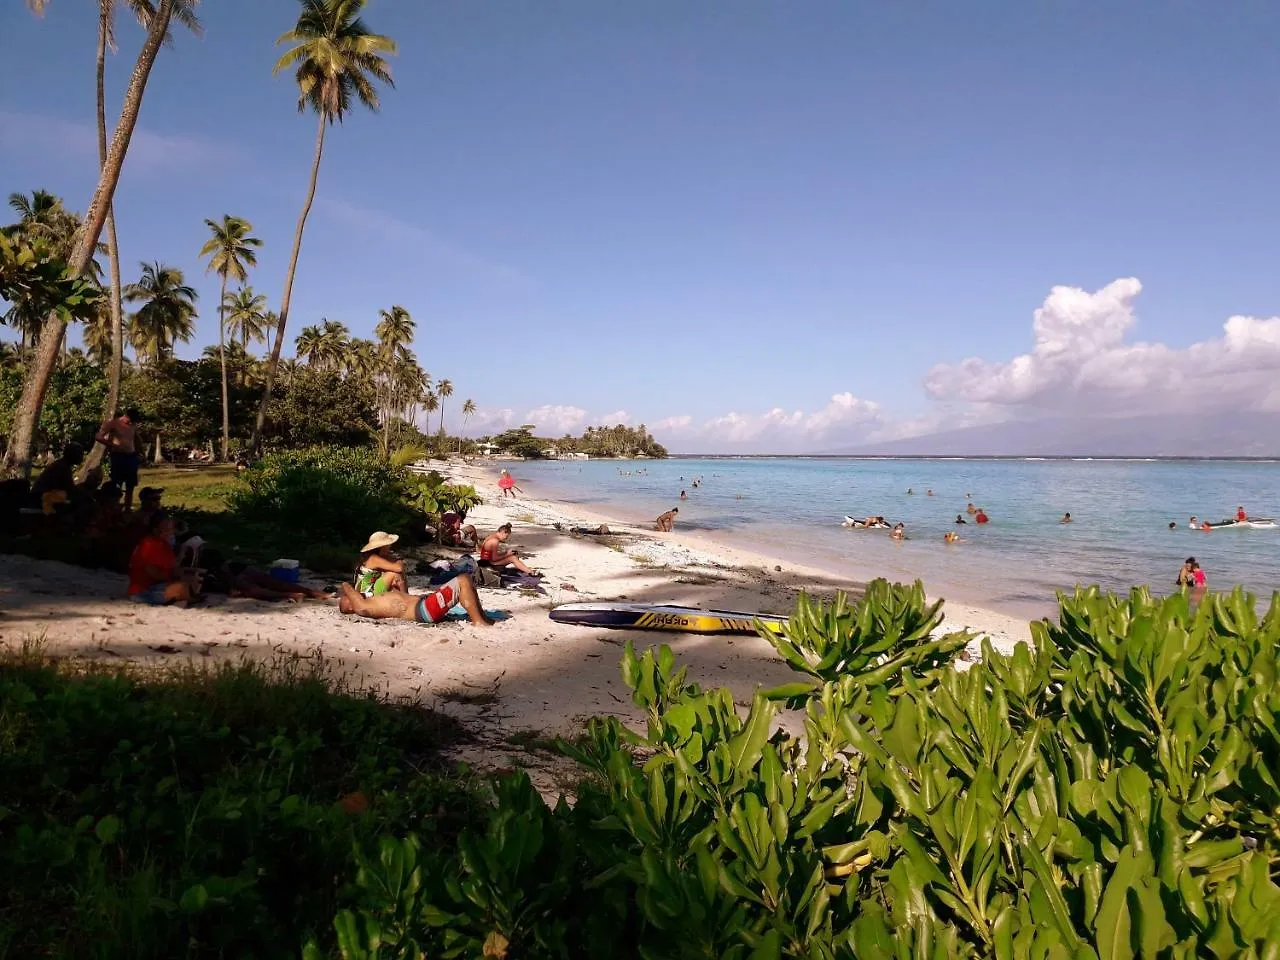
706	212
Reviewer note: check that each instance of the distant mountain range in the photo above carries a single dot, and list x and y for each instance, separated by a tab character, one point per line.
1213	435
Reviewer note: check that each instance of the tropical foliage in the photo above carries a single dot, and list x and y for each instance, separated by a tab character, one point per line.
166	314
616	441
1110	793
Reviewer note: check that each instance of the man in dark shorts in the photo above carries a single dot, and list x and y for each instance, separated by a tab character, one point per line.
420	608
120	436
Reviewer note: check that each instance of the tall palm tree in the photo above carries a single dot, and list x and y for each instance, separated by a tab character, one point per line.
246	315
394	331
361	360
430	404
167	314
17	459
468	409
336	58
444	390
309	345
231	252
145	11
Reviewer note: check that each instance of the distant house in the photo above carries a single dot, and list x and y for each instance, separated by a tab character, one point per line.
551	453
486	449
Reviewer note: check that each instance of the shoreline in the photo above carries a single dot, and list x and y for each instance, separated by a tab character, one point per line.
1005	629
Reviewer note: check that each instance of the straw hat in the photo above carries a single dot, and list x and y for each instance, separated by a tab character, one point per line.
379	540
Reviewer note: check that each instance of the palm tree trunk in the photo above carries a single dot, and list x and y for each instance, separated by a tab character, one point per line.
17	459
256	441
222	357
113	249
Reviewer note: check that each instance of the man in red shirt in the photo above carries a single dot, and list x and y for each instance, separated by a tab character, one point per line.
1241	516
154	577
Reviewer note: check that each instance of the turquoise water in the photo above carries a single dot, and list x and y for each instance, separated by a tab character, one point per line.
792	508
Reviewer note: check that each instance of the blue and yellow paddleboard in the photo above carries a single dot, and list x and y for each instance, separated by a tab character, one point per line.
649	616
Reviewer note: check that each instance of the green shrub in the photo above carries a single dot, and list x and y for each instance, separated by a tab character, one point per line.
325	494
1110	794
204	813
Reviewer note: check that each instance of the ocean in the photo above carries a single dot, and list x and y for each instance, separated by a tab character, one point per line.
791	508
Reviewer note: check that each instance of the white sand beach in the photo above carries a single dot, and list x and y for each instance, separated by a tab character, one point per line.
527	673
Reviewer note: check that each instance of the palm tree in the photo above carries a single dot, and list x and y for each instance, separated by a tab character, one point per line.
394	331
144	10
43	220
468	409
231	252
444	390
167	314
430	403
337	58
361	360
309	345
246	315
17	460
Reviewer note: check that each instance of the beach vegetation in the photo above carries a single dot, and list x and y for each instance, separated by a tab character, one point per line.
1108	791
204	811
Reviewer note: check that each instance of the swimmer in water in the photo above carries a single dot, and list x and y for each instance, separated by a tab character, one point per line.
1066	518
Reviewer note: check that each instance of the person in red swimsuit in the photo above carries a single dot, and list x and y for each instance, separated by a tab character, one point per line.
422	607
1241	516
981	517
492	554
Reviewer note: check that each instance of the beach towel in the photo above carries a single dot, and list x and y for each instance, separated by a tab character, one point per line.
460	613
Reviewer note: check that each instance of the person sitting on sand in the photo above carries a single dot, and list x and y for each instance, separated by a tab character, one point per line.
154	577
452	533
57	481
981	516
240	580
960	519
379	570
420	608
667	520
492	554
899	532
1066	518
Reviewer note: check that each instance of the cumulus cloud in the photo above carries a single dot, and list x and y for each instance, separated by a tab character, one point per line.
844	419
611	419
554	420
1080	363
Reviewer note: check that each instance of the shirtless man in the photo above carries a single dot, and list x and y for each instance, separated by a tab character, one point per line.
667	520
119	435
491	552
420	608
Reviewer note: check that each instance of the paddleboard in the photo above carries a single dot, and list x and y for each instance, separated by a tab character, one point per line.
649	616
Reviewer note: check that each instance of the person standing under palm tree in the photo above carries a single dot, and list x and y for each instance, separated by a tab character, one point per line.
337	59
231	252
119	437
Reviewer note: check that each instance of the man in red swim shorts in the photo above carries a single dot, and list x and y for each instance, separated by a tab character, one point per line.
422	607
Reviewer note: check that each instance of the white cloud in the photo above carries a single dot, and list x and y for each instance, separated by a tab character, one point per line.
845	419
556	420
611	419
1081	364
485	421
149	151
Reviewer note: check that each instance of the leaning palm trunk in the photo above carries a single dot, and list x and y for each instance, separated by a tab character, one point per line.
113	249
256	442
17	461
222	358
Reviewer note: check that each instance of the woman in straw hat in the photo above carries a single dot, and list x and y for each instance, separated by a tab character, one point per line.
379	570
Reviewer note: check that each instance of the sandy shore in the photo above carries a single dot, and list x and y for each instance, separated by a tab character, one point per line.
524	674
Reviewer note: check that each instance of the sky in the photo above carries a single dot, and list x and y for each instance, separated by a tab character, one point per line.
752	226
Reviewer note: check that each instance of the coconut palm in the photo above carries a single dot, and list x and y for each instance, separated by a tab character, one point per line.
361	360
337	59
246	316
444	390
17	460
167	314
468	410
430	404
231	252
394	331
309	345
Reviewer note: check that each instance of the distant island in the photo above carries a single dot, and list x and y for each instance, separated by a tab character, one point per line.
595	442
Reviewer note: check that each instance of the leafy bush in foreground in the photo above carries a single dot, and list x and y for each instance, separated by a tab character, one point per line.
1111	793
203	814
325	493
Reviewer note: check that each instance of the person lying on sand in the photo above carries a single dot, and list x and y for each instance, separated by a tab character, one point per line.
421	608
667	520
491	552
241	580
379	571
154	577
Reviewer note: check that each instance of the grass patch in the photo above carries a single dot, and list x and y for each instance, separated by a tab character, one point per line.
191	488
203	812
525	518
